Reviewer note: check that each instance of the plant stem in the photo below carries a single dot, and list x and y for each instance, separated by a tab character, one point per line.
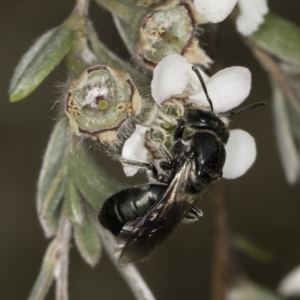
221	259
103	53
273	69
82	8
62	264
130	273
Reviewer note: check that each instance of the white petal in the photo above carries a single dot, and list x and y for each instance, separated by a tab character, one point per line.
290	285
134	149
170	77
194	83
227	89
215	10
240	154
252	15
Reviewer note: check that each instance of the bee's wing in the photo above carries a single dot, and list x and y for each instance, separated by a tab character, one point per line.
139	238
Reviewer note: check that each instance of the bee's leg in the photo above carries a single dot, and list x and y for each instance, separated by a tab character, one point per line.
149	166
166	154
110	151
178	132
193	215
166	166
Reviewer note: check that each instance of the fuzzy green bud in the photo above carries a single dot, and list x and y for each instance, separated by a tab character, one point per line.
170	29
100	102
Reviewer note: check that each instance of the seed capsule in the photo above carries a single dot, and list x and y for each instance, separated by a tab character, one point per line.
100	102
170	29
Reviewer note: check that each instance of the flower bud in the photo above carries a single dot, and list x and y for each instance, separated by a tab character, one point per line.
170	29
100	102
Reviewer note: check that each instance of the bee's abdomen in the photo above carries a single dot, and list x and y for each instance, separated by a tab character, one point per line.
128	205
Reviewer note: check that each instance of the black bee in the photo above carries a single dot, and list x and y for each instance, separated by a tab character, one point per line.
143	217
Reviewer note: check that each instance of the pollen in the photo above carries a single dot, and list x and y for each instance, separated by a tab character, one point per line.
166	125
103	104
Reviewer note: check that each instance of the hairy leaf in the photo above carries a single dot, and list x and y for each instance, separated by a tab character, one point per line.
72	204
286	145
52	163
246	290
55	194
39	61
94	183
280	38
88	240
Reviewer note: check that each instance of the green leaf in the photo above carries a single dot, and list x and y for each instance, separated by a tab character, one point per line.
246	290
46	275
55	194
284	137
72	204
294	120
88	240
253	250
52	163
51	223
40	60
94	183
279	37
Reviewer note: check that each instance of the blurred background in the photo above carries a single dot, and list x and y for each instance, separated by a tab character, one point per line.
262	206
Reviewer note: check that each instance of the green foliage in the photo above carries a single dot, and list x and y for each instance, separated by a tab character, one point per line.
287	147
253	250
87	239
72	187
95	184
279	37
73	204
40	60
55	194
246	290
52	164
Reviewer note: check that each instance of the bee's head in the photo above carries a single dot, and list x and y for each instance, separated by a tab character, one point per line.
202	119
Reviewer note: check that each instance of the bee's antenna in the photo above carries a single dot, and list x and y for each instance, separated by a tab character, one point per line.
240	110
203	86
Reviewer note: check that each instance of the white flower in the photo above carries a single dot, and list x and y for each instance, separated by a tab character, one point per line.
173	76
290	285
252	12
227	89
134	149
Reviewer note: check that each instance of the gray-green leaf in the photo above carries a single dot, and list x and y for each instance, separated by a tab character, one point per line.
55	194
87	240
253	250
46	274
52	163
72	204
246	290
40	60
286	145
94	183
280	38
51	224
